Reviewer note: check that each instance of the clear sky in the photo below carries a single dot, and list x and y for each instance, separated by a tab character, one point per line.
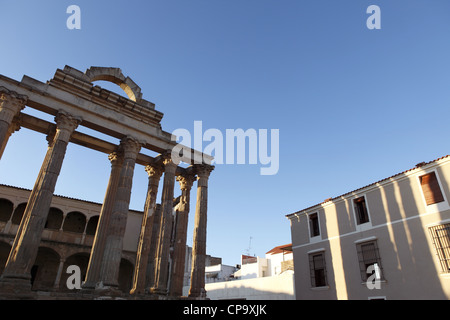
353	105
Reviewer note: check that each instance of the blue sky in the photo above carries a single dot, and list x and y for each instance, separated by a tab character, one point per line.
353	105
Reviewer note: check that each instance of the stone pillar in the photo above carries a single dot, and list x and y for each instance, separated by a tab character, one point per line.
11	103
162	255
109	273
143	251
98	247
58	274
25	247
179	251
197	289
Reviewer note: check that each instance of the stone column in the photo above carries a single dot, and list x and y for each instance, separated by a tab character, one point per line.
143	251
179	251
109	273
11	103
197	289
98	247
162	256
25	247
151	262
58	274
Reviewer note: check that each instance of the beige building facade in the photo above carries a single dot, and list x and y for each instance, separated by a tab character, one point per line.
388	240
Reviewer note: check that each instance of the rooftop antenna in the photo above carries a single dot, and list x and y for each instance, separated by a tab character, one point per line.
249	246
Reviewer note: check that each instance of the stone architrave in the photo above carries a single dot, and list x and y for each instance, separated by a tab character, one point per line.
98	247
26	244
179	250
197	289
162	256
143	251
114	241
11	103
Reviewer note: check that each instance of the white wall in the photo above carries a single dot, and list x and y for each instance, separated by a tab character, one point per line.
280	287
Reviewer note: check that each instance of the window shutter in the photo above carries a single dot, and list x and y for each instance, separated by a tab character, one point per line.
431	190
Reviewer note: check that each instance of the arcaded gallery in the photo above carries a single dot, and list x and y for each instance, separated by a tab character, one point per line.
120	252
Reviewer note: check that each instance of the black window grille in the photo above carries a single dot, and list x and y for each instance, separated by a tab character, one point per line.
441	240
318	270
369	255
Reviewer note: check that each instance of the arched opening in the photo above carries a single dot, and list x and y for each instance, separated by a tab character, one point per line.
5	248
74	222
18	213
45	269
91	227
6	209
115	75
54	219
126	270
78	259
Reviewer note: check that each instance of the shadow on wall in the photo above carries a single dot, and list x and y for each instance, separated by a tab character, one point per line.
280	287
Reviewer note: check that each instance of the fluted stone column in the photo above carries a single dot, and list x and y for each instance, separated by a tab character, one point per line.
197	289
11	103
143	251
179	251
25	248
112	256
98	247
151	263
162	256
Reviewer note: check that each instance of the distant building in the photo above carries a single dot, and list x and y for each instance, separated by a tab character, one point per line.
388	240
268	278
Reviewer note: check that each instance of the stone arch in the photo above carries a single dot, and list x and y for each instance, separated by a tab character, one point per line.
116	76
6	209
5	248
80	259
74	222
126	270
54	219
18	213
45	269
91	227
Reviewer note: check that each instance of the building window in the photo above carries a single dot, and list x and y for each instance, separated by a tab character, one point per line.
314	225
369	256
362	216
441	240
430	188
318	270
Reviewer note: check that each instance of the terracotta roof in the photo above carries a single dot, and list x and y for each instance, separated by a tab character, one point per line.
374	183
280	249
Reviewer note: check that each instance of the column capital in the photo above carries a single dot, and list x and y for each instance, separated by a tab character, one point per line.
10	104
154	170
130	147
16	124
13	97
66	123
115	158
203	171
169	164
186	181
